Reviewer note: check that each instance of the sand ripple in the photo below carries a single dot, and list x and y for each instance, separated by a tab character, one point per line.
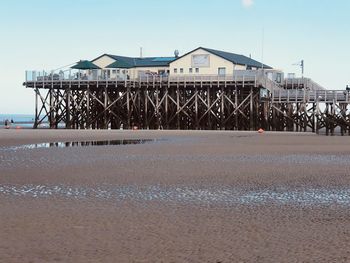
32	157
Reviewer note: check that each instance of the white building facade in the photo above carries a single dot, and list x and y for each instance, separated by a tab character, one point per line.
203	61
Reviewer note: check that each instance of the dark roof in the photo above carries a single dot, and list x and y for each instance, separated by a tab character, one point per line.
237	59
234	58
119	64
85	64
130	62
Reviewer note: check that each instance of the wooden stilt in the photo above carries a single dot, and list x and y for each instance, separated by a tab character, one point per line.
251	114
68	94
36	121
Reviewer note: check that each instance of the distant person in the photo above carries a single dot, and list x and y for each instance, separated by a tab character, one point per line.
12	121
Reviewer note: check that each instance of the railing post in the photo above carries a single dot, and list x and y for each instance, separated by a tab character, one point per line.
315	98
279	97
255	81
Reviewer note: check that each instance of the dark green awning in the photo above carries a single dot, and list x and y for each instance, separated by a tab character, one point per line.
85	64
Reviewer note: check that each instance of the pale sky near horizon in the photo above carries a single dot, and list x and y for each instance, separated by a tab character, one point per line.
48	34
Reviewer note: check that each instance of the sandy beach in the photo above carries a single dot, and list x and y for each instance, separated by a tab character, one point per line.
180	196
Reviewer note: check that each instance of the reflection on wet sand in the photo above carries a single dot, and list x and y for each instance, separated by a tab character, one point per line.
186	195
80	143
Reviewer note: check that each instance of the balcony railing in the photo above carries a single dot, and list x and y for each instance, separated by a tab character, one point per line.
257	77
95	75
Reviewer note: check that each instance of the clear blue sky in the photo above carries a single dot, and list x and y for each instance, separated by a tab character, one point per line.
47	34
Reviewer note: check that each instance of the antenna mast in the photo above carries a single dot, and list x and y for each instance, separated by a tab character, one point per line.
301	65
302	68
262	48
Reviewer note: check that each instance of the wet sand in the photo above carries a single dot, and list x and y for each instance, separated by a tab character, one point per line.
185	197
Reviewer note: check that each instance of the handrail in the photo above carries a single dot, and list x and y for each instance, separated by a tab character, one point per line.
305	95
302	82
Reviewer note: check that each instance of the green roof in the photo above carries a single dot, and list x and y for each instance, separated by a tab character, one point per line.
119	64
85	64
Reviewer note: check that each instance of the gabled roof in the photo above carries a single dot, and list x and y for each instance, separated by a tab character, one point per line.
119	64
130	62
234	58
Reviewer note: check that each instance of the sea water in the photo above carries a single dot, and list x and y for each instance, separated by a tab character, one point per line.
21	120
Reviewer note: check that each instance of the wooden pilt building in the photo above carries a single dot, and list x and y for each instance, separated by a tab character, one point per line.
203	89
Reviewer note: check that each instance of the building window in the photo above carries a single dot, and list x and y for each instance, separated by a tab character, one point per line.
175	70
114	71
181	70
197	70
221	71
190	70
118	71
278	77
